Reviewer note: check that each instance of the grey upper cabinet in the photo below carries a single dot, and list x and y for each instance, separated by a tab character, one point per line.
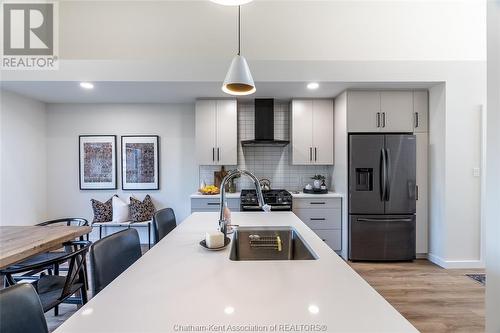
312	131
421	111
216	132
363	111
396	108
384	111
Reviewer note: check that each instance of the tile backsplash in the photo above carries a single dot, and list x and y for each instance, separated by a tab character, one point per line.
272	162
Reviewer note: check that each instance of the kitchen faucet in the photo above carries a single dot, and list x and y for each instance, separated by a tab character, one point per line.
222	221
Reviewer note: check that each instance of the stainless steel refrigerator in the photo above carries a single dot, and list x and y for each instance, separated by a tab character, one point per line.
382	194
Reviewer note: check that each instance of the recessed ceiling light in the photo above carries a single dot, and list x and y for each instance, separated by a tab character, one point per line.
231	2
86	85
314	309
228	310
313	85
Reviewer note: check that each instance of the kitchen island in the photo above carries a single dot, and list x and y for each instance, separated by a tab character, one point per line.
178	286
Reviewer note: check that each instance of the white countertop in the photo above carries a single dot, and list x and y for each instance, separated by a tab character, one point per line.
198	195
308	195
178	282
236	195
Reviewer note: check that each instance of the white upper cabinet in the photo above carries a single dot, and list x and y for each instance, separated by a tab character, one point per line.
312	132
227	132
302	132
381	111
421	111
216	132
396	109
323	131
363	111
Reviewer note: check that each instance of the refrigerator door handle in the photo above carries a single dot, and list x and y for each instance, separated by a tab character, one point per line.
383	174
383	220
387	175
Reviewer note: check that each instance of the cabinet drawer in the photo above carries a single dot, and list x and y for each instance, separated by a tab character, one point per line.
320	218
317	203
214	203
333	238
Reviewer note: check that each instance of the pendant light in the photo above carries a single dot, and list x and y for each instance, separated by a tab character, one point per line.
238	79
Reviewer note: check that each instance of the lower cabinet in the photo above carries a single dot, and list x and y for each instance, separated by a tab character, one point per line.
213	204
323	216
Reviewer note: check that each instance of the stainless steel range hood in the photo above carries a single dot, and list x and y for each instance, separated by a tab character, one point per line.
264	125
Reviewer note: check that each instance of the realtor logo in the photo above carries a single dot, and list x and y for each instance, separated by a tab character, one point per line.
29	36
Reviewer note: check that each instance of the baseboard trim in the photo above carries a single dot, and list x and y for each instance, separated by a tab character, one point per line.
455	264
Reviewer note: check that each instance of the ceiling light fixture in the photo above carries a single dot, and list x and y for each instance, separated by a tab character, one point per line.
86	85
231	2
228	310
314	309
238	79
313	85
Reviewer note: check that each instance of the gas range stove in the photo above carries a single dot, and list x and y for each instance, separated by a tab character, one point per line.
279	200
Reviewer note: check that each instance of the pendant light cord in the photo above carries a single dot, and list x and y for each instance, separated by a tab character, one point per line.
239	30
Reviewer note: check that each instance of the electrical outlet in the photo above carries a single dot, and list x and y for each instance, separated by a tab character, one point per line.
476	172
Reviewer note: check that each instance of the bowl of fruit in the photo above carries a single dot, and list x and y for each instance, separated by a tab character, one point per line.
209	190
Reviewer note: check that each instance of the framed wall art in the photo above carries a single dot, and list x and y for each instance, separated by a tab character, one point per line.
97	166
140	162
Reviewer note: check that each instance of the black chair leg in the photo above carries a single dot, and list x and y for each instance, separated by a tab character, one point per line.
149	235
56	310
100	231
84	296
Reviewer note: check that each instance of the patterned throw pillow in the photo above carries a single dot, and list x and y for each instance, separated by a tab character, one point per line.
103	212
141	211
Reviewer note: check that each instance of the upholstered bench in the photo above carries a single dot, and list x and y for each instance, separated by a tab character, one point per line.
145	224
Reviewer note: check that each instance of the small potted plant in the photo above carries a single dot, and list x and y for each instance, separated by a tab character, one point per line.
318	179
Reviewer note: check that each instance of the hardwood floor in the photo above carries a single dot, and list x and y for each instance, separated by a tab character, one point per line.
431	298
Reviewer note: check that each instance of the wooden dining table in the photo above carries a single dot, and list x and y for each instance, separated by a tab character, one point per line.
21	242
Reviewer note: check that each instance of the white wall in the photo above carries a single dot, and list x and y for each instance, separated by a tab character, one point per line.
174	123
341	168
437	193
341	30
492	176
23	151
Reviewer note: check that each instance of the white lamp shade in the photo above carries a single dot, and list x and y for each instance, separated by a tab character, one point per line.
238	80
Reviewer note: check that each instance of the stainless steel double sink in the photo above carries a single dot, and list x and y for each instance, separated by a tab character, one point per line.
269	243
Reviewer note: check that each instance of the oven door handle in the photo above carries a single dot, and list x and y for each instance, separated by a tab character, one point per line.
284	207
273	208
251	208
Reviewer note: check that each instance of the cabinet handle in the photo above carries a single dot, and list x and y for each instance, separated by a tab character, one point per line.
416	192
378	119
218	154
317	203
213	154
416	120
315	153
213	204
317	219
383	119
310	153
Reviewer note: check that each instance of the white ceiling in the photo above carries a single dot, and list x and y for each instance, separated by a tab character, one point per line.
179	92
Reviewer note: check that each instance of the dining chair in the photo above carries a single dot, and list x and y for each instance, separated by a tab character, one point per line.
49	256
111	256
21	310
56	289
163	223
